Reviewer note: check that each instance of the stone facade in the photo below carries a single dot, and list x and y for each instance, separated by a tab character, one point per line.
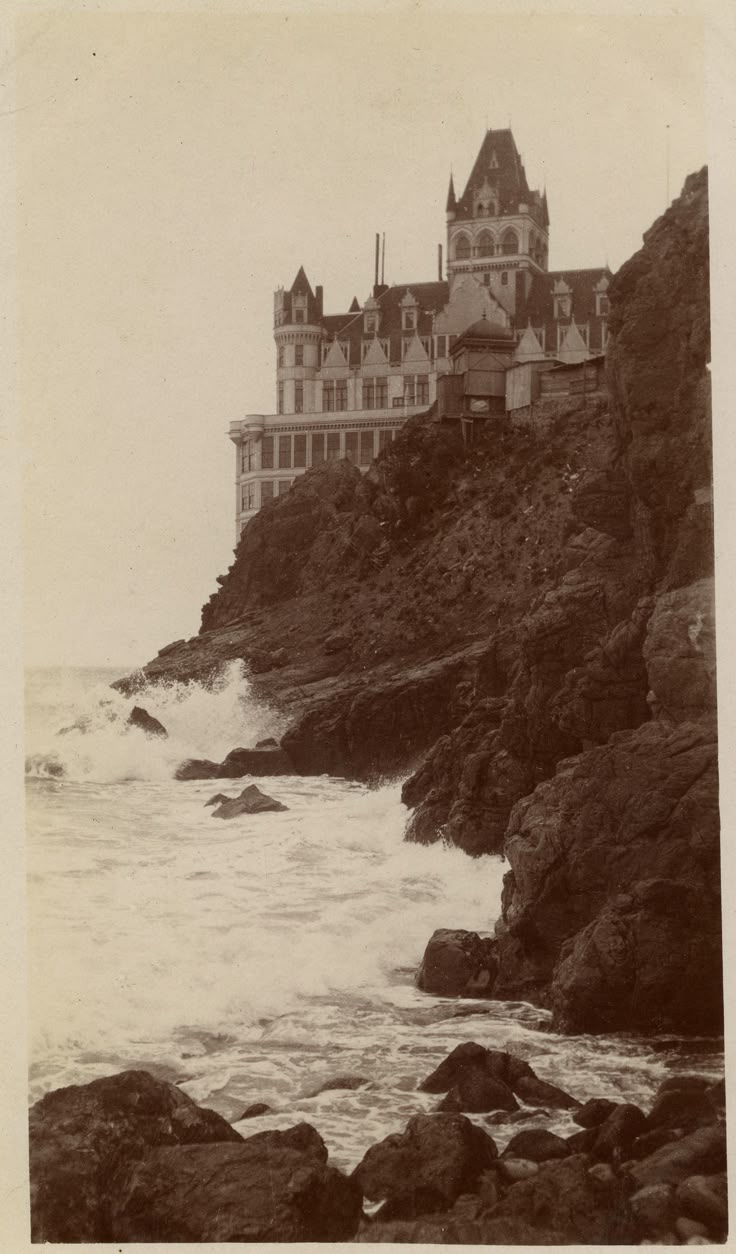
346	383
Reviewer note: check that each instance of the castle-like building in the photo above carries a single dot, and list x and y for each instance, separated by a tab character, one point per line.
475	342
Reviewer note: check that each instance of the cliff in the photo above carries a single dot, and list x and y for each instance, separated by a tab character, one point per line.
527	624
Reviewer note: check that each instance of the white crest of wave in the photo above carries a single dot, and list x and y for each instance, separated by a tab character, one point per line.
80	731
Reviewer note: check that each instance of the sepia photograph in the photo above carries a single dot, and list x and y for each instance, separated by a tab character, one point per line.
372	862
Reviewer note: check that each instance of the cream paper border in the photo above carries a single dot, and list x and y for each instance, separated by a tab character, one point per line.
721	72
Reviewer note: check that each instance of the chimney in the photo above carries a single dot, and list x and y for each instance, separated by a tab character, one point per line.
383	258
439	261
318	300
378	245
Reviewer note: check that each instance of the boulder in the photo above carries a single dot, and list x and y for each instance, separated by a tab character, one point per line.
197	768
256	1109
537	1144
562	1205
265	760
442	1152
250	801
218	798
81	1137
275	1186
592	1113
477	1092
458	964
471	1063
705	1198
681	1108
702	1152
349	1082
139	717
617	1132
654	1209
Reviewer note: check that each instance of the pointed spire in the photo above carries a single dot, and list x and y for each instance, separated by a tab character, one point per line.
301	283
355	307
451	198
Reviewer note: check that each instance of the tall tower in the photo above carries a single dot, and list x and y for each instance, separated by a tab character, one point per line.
297	330
498	230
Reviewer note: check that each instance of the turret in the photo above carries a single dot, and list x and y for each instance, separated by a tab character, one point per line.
298	336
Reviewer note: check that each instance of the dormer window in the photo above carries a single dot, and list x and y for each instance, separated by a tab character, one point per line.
601	304
371	323
409	320
563	305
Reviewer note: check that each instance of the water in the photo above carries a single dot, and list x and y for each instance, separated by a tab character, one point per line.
256	959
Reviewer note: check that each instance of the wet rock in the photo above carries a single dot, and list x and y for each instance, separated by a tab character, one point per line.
259	761
140	718
513	1169
617	1132
442	1152
681	1108
257	1108
83	1135
702	1152
271	1187
643	1146
197	768
458	964
218	798
562	1205
594	1112
267	743
475	1092
471	1062
250	801
582	1142
537	1144
340	1082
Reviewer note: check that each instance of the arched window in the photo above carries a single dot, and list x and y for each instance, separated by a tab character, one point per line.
480	210
462	248
509	243
484	245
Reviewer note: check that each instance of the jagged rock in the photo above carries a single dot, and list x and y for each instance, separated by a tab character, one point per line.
140	718
679	652
275	1186
197	768
457	964
250	801
218	798
82	1136
444	1153
265	760
349	1082
470	1066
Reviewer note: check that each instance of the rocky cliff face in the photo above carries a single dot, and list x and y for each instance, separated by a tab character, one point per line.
527	624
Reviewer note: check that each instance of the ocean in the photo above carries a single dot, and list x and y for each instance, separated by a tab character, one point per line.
259	959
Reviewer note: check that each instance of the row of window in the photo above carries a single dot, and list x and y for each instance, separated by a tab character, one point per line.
486	246
281	362
303	448
375	393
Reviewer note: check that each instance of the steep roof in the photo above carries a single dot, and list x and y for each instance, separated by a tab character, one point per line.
582	292
499	162
301	283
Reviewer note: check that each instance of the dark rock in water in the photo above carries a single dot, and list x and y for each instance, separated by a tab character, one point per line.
197	768
250	801
702	1152
476	1092
617	1132
82	1136
264	761
218	798
275	1186
139	717
267	743
252	1112
698	1083
582	1142
593	1112
458	964
472	1064
443	1153
537	1144
350	1082
681	1108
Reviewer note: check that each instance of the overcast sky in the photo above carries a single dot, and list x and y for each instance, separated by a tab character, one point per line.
174	169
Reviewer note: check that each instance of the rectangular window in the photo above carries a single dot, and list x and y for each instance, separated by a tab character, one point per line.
369	394
351	445
247	496
409	391
328	397
280	403
341	394
381	393
318	449
280	358
298	397
366	448
300	450
284	451
247	457
333	446
299	315
384	439
266	491
267	452
422	391
441	345
284	485
397	402
298	354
